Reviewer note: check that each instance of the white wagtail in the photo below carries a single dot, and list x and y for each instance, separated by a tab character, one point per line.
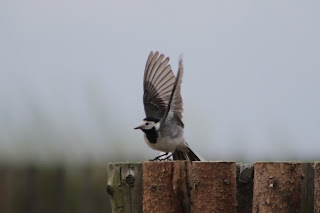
163	127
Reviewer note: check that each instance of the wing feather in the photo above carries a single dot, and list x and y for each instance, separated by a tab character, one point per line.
151	64
175	104
147	65
163	77
156	67
158	83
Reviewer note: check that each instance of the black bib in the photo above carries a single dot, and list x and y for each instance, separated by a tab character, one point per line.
151	134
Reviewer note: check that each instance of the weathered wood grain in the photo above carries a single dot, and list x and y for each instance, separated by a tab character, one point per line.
307	188
277	187
213	187
165	187
124	186
317	187
244	188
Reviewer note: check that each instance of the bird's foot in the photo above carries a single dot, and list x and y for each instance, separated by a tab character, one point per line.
167	158
162	159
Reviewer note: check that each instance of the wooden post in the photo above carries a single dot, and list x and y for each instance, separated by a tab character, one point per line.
317	187
164	186
182	187
307	188
244	188
277	187
124	186
213	187
200	187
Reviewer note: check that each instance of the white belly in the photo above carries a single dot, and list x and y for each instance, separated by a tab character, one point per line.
166	144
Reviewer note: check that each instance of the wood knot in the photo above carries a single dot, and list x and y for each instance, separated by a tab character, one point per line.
154	188
130	180
227	181
272	183
109	190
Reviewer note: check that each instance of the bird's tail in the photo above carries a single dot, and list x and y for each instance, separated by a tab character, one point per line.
189	155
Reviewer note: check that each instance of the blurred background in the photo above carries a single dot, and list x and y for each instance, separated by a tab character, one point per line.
71	89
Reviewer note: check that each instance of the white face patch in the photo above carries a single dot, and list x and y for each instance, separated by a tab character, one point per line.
149	125
157	126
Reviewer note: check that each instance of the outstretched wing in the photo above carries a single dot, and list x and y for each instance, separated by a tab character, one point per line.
158	84
175	106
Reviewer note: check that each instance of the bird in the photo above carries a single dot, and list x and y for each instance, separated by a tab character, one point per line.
163	127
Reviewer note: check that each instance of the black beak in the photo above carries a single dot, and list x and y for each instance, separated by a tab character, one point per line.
139	127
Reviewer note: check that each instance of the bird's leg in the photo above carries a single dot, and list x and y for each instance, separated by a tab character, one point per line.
157	158
167	158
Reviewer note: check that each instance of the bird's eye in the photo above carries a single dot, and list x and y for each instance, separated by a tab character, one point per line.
147	123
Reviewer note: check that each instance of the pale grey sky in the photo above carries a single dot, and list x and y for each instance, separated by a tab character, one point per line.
71	76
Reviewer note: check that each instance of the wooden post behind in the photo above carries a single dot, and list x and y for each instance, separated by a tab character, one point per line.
244	188
307	188
317	187
277	187
124	186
